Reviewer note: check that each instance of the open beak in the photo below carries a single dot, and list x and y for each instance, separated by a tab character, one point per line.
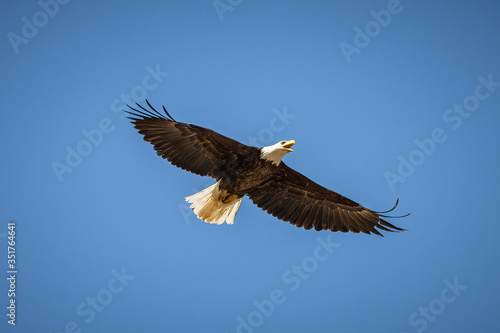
288	144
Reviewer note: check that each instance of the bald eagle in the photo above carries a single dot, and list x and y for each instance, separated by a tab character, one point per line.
259	173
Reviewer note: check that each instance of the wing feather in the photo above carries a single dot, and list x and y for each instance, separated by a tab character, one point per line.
311	216
304	203
193	148
285	208
302	220
326	216
318	224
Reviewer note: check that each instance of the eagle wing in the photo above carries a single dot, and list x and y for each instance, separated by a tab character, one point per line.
193	148
294	198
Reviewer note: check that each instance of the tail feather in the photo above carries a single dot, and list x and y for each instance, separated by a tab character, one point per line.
207	206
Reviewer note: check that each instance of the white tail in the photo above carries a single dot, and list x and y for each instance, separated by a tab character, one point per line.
207	206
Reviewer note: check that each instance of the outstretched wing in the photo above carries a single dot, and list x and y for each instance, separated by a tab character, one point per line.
294	198
190	147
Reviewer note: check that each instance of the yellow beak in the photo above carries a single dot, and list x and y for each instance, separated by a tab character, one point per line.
288	144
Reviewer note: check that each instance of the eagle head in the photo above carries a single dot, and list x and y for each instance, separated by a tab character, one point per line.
275	153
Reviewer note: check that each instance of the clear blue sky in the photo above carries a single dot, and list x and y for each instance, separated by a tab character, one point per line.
385	100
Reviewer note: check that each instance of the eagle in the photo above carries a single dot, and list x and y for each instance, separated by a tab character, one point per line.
258	173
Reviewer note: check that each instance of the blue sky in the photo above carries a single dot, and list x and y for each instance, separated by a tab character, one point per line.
385	100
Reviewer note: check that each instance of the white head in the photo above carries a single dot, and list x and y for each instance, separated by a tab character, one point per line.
276	152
